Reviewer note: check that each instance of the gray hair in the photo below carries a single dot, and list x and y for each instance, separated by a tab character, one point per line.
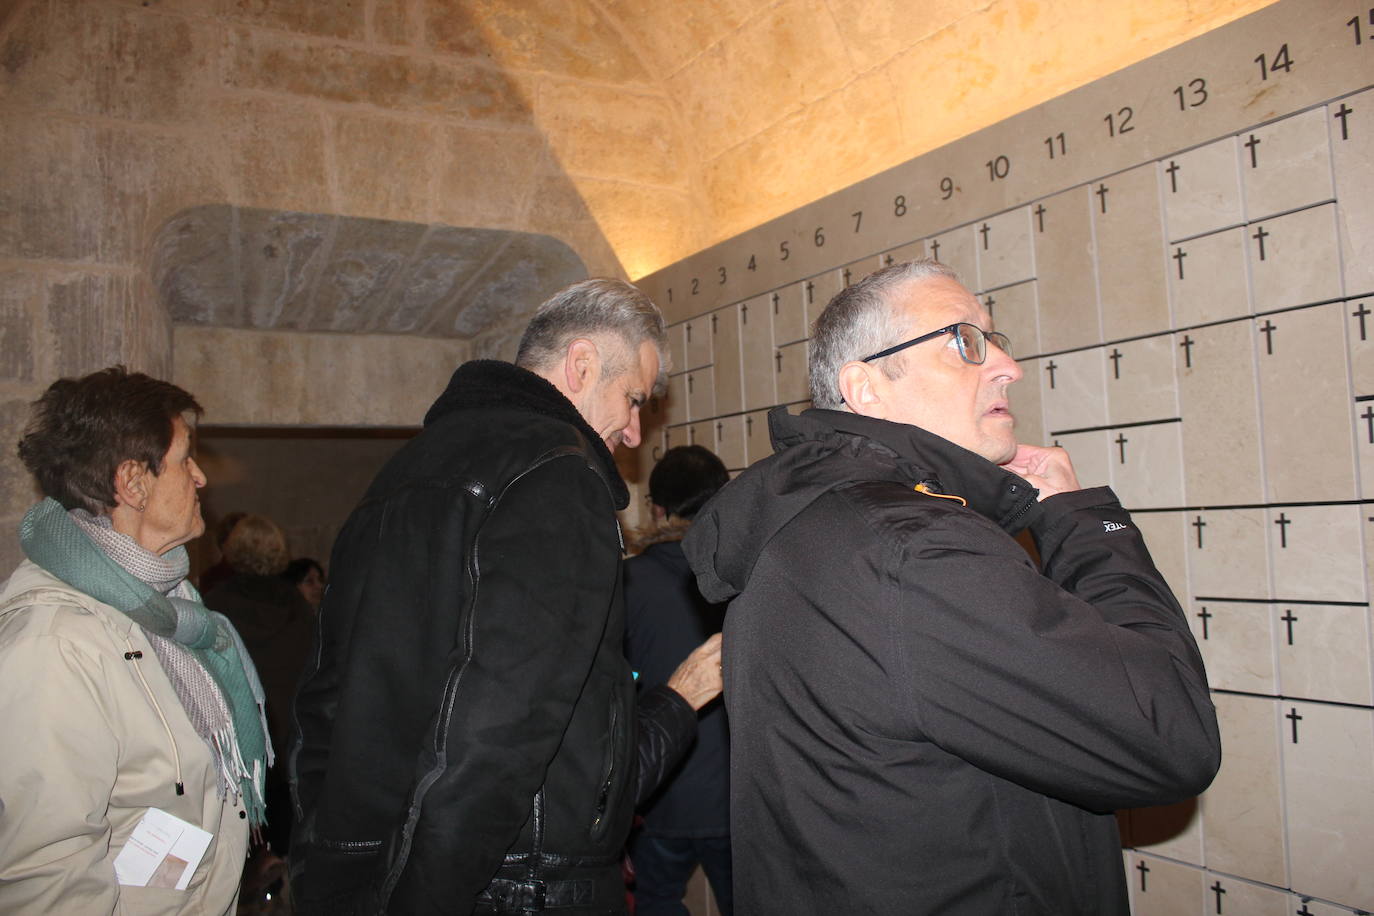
859	321
589	308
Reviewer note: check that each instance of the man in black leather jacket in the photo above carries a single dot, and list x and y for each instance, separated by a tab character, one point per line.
466	730
923	719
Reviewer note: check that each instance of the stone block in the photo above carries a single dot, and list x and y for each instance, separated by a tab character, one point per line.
647	228
570	39
394	22
275	152
94	58
559	210
671	34
723	97
467	90
336	19
18	490
98	320
832	143
386	166
606	132
487	177
98	194
874	31
21	298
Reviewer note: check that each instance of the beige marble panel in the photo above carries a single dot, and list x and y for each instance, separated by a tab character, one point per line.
1026	406
791	369
1352	155
1064	269
1294	259
1242	812
1232	895
1003	246
703	434
1316	554
1013	310
1166	535
1092	454
1237	643
1306	906
1146	464
756	354
1164	888
701	395
677	347
725	344
757	443
1073	386
1132	263
1233	560
788	306
1323	652
675	404
955	250
1305	401
673	436
697	334
816	293
855	271
730	442
911	251
1201	190
1220	410
1207	279
1286	165
1141	381
1328	783
1359	315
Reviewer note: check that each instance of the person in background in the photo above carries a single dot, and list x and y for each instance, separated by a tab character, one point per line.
129	710
687	822
216	574
308	576
276	624
924	719
468	737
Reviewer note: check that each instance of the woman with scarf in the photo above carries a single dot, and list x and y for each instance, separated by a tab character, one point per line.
135	747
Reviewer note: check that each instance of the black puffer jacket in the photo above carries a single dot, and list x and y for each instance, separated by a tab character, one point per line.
468	708
922	721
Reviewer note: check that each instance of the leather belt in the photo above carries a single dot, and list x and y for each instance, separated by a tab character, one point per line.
535	896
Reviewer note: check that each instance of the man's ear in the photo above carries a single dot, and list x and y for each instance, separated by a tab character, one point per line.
861	389
131	484
581	364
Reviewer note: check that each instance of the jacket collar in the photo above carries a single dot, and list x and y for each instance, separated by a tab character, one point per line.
490	383
920	457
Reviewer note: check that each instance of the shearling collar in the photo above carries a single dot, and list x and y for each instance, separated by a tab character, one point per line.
488	383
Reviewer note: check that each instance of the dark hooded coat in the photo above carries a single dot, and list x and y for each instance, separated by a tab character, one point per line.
923	721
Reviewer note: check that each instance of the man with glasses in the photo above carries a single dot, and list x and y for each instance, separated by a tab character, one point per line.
926	719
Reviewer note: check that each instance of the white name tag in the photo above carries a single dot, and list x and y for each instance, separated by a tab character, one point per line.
163	851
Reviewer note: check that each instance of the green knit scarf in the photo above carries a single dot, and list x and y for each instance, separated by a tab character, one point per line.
53	541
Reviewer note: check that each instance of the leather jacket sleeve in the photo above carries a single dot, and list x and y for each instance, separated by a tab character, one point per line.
667	727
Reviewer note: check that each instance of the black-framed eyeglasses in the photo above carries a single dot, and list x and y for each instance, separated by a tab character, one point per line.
973	342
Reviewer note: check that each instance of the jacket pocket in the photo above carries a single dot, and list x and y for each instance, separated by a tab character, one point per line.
144	901
334	876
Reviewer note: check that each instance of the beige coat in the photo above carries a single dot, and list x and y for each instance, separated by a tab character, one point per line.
86	753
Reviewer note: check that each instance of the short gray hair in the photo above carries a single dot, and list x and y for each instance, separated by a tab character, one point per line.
595	307
859	321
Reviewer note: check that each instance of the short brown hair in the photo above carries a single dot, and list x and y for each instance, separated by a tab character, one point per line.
257	546
81	430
